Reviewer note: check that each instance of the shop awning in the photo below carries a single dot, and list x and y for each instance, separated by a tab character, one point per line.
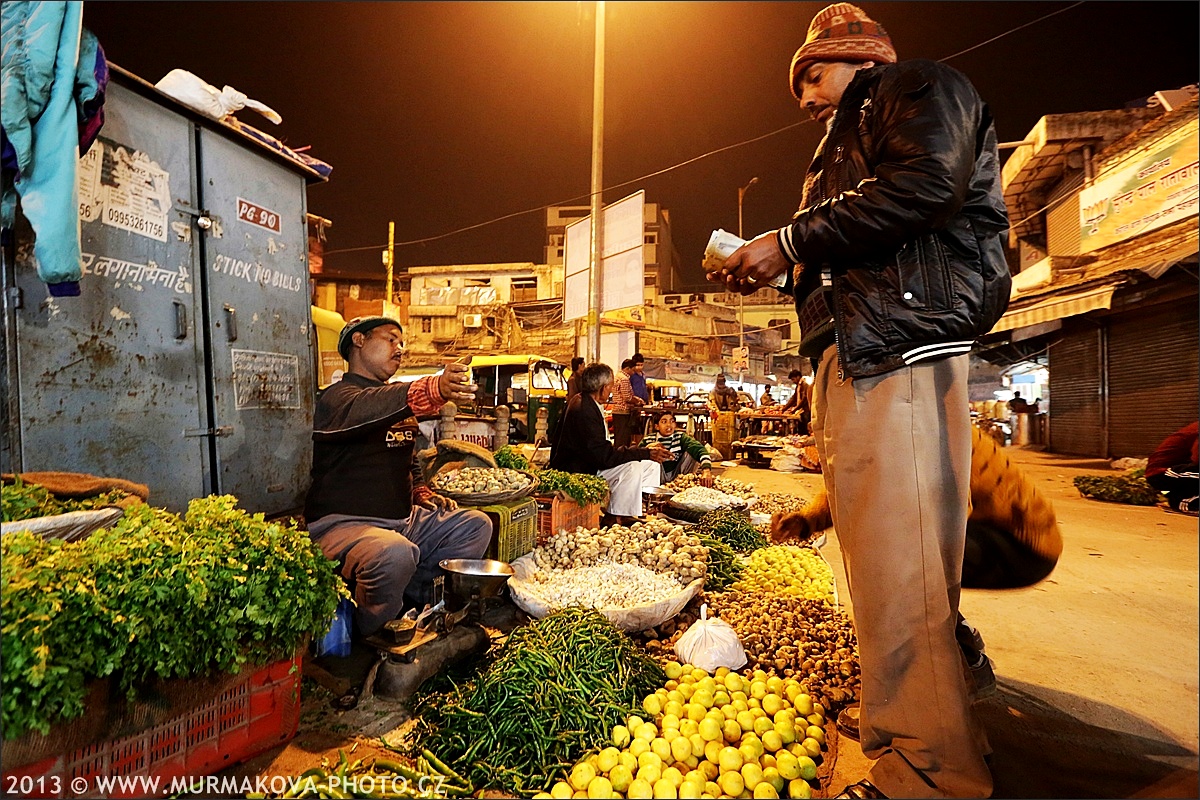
1057	307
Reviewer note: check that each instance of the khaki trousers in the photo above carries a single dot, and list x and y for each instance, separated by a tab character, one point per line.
896	458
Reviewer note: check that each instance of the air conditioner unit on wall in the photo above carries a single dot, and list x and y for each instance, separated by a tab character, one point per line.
472	320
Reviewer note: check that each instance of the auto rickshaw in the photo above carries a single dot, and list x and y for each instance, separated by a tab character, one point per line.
524	383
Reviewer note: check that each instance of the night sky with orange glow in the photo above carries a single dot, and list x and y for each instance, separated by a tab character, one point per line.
442	115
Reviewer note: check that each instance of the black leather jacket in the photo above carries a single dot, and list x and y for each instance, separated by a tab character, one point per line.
909	219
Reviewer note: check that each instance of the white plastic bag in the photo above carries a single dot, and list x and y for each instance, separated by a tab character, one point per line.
710	643
205	98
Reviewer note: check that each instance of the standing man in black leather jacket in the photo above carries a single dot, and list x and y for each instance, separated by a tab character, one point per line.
896	263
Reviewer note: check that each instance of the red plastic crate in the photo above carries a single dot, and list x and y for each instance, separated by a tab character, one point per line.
556	514
258	713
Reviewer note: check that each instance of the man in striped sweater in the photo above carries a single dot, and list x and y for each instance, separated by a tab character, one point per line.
687	454
624	406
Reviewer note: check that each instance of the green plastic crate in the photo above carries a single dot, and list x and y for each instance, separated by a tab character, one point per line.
514	528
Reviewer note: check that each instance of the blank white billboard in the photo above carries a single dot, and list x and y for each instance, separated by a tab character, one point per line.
621	267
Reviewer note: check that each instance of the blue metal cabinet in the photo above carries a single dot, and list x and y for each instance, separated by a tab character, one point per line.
186	363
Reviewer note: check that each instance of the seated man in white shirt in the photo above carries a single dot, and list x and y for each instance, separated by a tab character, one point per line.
584	445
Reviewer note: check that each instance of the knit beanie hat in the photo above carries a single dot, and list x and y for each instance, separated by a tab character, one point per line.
360	325
842	32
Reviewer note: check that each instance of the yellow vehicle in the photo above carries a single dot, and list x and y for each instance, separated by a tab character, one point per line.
524	383
327	324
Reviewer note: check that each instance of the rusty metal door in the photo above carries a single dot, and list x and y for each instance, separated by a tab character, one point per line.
111	382
255	279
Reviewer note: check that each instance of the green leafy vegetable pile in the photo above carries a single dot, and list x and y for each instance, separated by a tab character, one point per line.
556	689
155	596
583	489
507	456
22	500
1130	488
731	527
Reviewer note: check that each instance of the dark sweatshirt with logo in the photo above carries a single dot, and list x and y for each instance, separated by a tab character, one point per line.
364	434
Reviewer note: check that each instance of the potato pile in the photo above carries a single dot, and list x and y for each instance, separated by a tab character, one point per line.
657	544
719	735
481	480
808	640
660	640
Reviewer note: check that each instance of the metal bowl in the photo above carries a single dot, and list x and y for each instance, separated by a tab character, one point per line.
475	577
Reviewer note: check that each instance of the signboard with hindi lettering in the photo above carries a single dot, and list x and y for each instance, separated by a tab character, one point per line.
1154	188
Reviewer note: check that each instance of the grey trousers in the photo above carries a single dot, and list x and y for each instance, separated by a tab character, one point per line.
387	563
896	458
686	466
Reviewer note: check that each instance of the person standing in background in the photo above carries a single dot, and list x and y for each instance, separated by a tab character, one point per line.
573	381
637	382
624	406
723	397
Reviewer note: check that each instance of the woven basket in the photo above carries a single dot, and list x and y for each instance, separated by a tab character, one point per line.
485	498
694	514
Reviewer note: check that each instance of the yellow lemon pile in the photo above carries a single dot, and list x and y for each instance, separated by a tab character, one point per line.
709	736
789	571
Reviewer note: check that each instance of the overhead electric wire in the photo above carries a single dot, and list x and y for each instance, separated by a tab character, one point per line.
673	167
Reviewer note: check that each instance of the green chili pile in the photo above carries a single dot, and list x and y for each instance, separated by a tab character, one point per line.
724	565
555	690
733	528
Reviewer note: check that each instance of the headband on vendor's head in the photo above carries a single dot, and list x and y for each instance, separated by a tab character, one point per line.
842	32
361	325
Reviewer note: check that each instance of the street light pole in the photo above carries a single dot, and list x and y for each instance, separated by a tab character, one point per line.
741	299
594	256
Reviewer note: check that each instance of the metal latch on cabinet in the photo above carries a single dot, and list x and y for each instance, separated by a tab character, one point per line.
204	220
224	430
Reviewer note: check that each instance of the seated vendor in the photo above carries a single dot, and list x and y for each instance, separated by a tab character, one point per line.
369	508
687	454
584	446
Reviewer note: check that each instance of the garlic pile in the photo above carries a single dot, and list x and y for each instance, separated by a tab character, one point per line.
700	498
603	585
657	544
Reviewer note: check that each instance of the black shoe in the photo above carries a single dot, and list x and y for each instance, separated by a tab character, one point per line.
863	790
984	677
847	721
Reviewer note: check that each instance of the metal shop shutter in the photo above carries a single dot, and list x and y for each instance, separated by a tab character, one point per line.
1076	416
1153	376
1063	234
